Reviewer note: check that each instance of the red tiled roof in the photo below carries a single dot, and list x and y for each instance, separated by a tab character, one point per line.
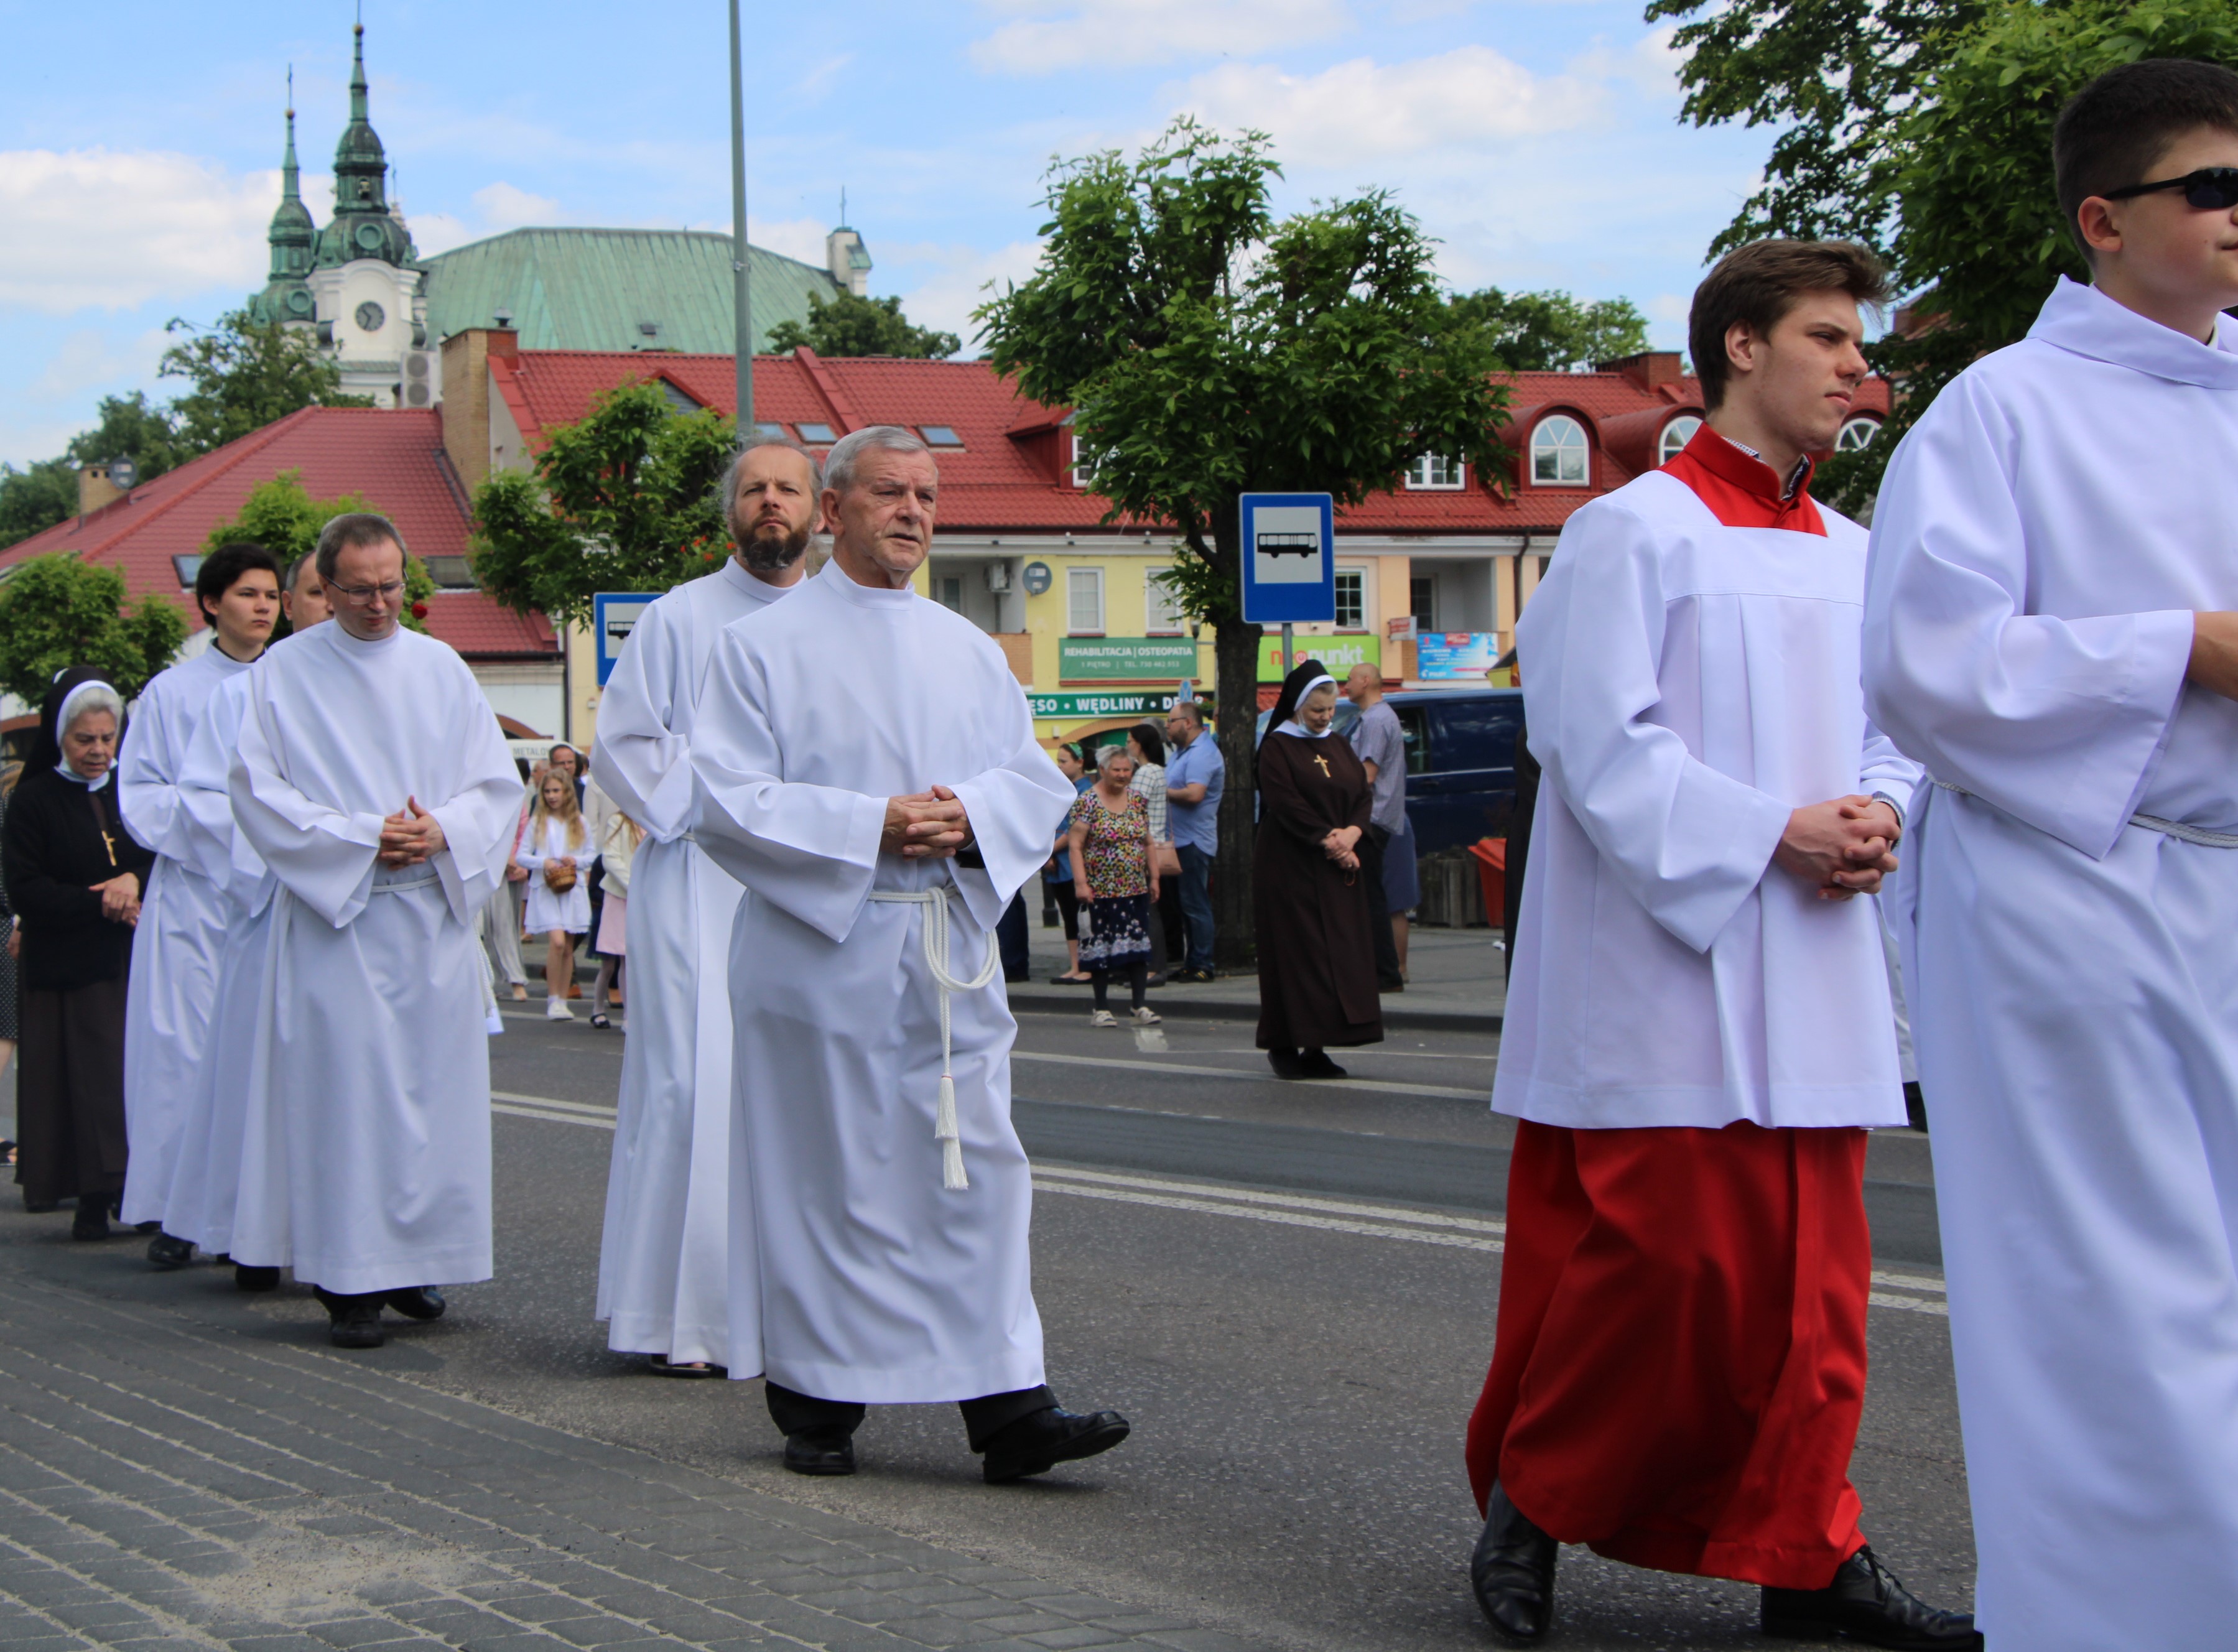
1008	476
394	459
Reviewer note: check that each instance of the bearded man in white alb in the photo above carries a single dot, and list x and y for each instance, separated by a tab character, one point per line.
866	767
373	779
664	1266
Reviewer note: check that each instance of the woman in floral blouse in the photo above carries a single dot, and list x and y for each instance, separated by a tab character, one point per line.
1117	879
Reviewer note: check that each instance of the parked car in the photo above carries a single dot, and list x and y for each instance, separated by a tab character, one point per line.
1461	761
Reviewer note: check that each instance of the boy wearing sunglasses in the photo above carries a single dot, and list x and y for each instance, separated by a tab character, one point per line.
2052	627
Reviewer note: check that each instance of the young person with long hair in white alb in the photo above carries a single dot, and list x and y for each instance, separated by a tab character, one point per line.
559	855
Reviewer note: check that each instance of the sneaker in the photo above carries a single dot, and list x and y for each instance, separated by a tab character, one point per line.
1145	1016
1101	1018
555	1010
1193	976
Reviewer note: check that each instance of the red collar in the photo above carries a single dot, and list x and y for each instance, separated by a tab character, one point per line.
1743	492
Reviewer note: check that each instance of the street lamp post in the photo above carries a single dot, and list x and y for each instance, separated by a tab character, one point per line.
740	278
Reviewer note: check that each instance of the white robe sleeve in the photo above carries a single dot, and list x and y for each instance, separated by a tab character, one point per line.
478	818
810	850
1884	772
637	761
1688	842
1013	810
214	849
2056	721
323	856
147	774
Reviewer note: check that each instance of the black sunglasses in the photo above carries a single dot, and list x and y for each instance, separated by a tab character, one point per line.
2210	188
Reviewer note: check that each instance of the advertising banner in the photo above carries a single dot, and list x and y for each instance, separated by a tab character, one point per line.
1124	660
1340	654
1444	654
1118	704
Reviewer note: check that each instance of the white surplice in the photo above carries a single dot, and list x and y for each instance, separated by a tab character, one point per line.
181	934
365	1146
1691	685
2040	542
206	1176
664	1270
866	1278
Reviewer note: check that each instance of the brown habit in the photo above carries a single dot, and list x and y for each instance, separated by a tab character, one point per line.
1316	953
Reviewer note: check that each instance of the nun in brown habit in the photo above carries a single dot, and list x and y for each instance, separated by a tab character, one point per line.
75	878
1316	949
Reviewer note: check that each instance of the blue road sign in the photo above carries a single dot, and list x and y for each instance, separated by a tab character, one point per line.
1290	558
614	615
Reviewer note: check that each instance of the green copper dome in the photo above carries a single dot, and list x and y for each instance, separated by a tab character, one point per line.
292	238
363	227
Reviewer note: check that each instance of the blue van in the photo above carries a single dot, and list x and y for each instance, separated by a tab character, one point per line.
1461	761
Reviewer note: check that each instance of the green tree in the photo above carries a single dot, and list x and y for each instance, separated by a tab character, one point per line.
623	500
245	374
1549	332
847	325
282	516
56	611
1208	351
130	428
35	499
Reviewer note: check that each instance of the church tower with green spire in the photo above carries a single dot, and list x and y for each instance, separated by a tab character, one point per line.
363	226
286	296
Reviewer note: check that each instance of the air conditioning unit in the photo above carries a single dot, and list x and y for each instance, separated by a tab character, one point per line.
998	576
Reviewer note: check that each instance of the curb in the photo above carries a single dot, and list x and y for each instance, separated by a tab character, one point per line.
1177	1003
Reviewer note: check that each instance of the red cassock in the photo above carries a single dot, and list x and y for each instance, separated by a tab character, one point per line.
1679	1363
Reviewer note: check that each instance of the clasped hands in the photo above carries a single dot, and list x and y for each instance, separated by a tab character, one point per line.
410	836
120	899
1844	846
1339	846
925	825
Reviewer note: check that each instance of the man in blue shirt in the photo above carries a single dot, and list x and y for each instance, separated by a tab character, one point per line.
1195	777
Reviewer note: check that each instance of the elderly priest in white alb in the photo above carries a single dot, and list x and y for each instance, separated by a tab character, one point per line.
867	767
664	1266
2051	626
374	781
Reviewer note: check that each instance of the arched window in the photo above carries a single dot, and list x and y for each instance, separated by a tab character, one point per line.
1676	435
1558	452
1856	433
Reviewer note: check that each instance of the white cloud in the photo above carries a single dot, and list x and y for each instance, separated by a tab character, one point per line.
503	207
957	281
1469	95
87	359
801	238
1050	35
102	229
1650	65
438	232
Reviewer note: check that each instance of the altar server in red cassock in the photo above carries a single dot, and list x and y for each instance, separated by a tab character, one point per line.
1699	1029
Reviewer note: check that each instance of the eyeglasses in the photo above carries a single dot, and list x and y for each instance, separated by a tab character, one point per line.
359	595
2209	190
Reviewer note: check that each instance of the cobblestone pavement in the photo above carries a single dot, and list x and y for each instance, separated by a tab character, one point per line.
171	1479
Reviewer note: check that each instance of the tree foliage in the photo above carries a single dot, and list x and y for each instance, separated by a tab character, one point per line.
1207	350
848	326
56	611
1550	332
623	500
1923	128
282	516
35	498
130	428
244	374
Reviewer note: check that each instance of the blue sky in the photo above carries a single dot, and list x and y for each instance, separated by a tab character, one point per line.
140	141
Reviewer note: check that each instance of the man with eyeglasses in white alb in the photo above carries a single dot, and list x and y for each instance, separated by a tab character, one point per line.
373	779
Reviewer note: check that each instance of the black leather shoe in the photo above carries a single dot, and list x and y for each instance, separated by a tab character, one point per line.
821	1452
418	1302
1285	1064
167	1252
246	1278
91	1222
1512	1573
352	1322
1315	1064
1036	1444
1865	1603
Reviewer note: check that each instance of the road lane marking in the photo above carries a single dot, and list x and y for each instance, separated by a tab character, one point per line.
1380	1087
1288	1210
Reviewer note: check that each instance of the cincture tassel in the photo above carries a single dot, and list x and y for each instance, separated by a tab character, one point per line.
935	940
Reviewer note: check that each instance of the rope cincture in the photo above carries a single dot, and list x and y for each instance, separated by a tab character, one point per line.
935	941
2174	829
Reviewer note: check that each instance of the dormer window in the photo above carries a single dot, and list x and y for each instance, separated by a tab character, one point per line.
1436	471
1558	452
1676	435
816	435
940	436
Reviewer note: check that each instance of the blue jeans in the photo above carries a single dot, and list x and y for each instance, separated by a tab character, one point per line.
1196	903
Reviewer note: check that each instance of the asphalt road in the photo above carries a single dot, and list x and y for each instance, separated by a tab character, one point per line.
1290	1289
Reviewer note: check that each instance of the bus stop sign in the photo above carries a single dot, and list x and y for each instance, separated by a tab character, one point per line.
1290	558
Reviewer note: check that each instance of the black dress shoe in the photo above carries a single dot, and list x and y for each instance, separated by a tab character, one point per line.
1865	1603
1512	1573
1285	1064
1036	1444
167	1252
822	1452
1315	1064
91	1222
352	1321
418	1302
246	1278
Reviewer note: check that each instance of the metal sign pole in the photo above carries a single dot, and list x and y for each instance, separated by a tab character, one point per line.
1290	664
745	317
